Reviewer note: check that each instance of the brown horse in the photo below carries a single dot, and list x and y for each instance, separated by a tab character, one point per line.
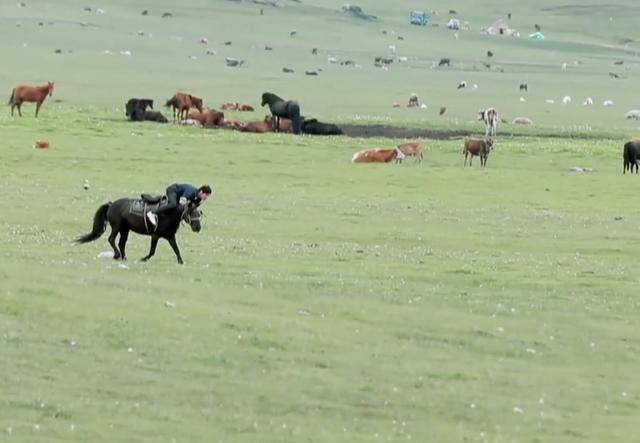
209	118
284	124
24	93
182	103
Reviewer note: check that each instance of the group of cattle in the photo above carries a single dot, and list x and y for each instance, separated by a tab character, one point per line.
480	147
141	109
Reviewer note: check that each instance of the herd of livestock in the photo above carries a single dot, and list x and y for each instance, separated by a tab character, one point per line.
285	117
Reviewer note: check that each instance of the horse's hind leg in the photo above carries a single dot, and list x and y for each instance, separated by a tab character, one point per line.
19	105
38	108
124	235
112	242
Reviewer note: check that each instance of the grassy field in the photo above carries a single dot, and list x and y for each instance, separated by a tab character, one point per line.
323	301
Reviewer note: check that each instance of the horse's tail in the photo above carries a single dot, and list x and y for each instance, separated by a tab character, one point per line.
99	225
13	91
296	121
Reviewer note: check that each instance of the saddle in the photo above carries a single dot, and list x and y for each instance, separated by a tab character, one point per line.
148	202
152	199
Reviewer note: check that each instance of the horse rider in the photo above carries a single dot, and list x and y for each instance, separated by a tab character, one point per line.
180	194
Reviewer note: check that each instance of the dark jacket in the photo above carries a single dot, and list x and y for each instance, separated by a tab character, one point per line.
184	190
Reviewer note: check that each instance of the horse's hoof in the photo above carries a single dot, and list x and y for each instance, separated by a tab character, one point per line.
180	262
144	259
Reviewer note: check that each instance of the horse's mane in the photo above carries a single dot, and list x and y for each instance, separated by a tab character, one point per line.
269	96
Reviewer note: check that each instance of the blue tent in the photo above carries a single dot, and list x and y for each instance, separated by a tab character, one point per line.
419	18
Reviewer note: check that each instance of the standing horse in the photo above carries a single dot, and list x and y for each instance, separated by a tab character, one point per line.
280	108
122	219
182	103
24	93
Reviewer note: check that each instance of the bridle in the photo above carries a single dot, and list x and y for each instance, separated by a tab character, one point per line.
188	217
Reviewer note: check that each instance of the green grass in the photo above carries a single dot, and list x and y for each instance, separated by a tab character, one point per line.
323	301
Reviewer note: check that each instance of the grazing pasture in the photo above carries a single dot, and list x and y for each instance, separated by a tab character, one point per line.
335	301
322	301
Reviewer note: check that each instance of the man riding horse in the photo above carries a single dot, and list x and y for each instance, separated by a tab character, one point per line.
180	194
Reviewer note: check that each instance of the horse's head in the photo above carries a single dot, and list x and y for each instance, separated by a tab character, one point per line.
196	102
193	216
481	114
50	88
265	99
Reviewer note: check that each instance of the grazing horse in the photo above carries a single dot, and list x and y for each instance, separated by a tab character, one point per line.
128	214
280	108
182	103
24	93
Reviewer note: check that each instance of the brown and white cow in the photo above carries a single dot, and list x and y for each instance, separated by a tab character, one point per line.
490	118
377	155
477	146
413	148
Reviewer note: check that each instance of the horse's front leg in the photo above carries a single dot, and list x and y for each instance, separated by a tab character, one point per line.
154	244
38	108
174	245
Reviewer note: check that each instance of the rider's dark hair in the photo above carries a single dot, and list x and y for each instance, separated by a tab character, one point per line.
206	189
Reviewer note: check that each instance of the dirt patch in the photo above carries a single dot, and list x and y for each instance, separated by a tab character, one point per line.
370	131
398	132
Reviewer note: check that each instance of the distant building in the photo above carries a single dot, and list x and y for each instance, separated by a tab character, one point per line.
419	18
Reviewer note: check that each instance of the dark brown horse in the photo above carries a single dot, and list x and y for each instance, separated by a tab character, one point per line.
24	93
182	103
128	214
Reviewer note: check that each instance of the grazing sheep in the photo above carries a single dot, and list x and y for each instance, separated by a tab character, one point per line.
634	114
522	121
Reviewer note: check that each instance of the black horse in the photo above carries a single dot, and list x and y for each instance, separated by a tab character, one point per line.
313	126
128	214
136	107
281	108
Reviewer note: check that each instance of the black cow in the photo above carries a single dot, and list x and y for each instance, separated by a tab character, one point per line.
630	156
314	127
445	61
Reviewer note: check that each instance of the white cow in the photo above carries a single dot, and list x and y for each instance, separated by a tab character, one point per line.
490	118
